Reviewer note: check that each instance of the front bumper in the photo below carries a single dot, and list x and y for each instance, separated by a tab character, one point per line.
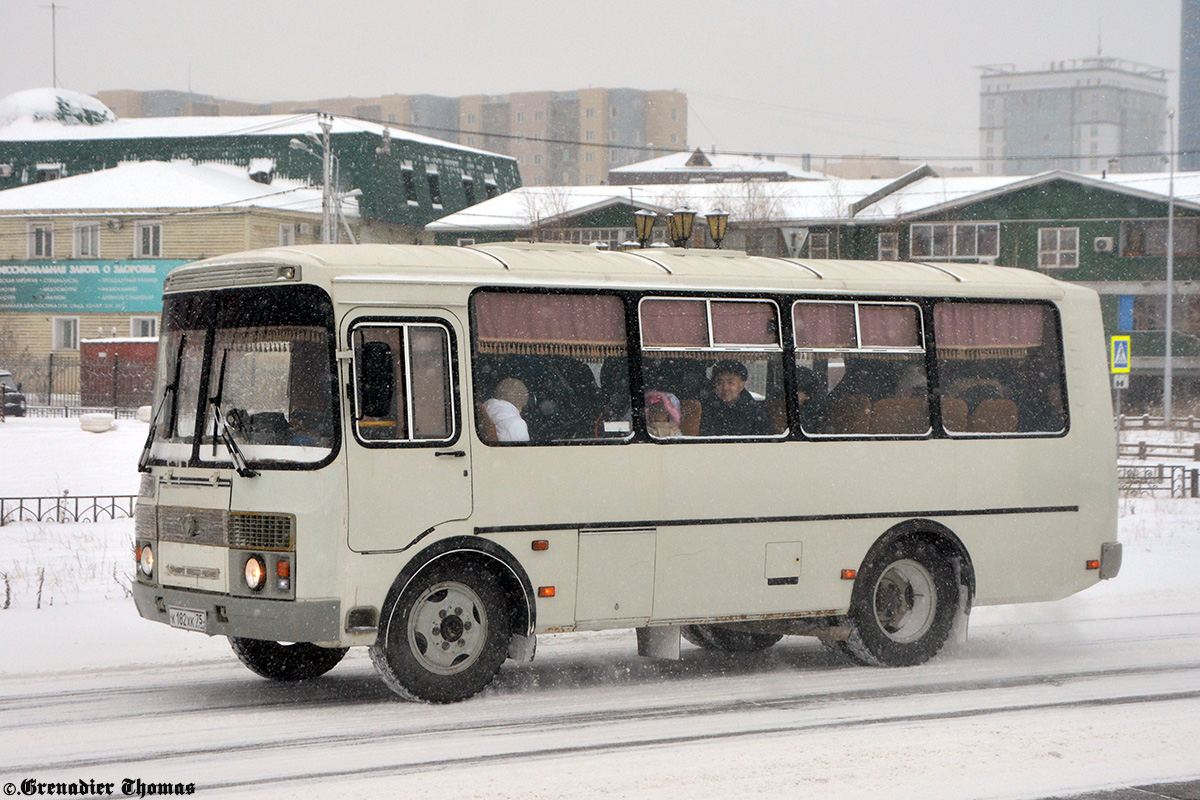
247	617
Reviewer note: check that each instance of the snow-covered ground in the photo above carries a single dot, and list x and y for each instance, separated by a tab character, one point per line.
1099	690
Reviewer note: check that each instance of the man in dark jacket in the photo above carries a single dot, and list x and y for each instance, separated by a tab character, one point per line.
733	412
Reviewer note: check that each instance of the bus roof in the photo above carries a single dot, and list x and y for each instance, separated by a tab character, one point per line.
526	264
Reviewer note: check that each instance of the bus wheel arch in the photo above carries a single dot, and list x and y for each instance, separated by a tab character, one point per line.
913	585
446	625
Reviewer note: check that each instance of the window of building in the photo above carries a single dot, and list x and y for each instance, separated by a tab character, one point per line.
559	359
435	186
721	359
818	245
1148	237
889	246
537	158
287	234
538	116
522	116
470	119
999	368
490	188
590	136
143	327
589	113
41	239
49	172
589	157
147	238
465	242
468	185
954	240
589	179
860	369
87	240
65	333
1058	247
403	384
674	115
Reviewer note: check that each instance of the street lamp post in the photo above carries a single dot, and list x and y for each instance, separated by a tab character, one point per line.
718	221
330	197
679	225
1168	371
643	226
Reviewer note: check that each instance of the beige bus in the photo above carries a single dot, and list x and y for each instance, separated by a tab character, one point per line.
440	452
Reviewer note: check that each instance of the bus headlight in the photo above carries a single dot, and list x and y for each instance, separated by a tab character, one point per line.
256	573
146	560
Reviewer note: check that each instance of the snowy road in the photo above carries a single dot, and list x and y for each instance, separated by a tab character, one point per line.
1098	691
1022	709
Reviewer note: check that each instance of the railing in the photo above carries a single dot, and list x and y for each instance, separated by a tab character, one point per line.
78	411
1144	450
1173	480
1147	422
84	508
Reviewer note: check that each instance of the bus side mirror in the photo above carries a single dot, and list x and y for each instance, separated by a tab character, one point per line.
377	376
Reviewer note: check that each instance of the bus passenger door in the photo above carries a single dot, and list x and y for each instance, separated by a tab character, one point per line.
408	460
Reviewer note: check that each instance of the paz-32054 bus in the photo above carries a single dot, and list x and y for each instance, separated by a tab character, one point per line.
439	453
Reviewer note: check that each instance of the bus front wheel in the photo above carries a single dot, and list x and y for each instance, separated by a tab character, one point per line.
286	663
905	600
446	636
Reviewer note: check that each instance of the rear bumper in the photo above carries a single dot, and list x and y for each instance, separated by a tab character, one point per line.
1110	560
251	618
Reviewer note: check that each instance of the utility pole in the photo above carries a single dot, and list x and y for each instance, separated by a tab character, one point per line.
1168	372
54	42
328	233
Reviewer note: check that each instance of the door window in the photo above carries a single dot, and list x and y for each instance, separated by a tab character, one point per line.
403	383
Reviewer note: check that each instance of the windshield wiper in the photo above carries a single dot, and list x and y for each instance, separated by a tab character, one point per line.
221	428
173	389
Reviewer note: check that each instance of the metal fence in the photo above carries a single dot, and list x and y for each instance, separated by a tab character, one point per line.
1147	422
1149	480
1143	450
85	508
62	380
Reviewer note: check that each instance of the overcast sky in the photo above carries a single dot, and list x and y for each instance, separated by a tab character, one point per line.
896	77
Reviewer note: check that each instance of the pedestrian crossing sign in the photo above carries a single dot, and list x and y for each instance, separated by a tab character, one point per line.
1119	354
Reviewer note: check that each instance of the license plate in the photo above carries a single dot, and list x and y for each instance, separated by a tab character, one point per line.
189	619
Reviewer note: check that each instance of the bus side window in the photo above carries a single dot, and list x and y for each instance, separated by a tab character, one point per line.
568	353
1000	368
403	386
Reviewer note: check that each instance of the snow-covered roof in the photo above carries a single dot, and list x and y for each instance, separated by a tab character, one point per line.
700	163
23	118
931	194
777	201
61	107
165	185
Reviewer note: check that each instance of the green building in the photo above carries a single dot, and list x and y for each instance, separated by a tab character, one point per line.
404	178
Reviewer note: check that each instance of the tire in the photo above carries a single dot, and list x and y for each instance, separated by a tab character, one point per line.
286	663
446	634
726	640
905	600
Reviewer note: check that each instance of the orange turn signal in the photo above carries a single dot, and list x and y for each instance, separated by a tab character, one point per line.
283	569
545	591
541	544
1092	563
849	574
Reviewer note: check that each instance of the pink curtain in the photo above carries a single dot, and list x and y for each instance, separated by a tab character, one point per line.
549	318
889	326
987	325
744	323
824	325
674	323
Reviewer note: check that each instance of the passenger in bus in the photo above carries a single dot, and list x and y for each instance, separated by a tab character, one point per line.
810	396
731	411
504	409
662	415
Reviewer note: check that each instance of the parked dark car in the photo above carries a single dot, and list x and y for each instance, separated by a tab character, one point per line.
14	401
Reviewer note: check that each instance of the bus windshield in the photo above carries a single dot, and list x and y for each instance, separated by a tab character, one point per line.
246	375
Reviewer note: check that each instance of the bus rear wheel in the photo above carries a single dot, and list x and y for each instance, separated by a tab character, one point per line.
715	637
286	663
904	603
446	635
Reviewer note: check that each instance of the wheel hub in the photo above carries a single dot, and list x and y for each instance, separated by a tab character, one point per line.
905	600
447	628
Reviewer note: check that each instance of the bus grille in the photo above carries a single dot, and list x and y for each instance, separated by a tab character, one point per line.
143	521
261	531
191	525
